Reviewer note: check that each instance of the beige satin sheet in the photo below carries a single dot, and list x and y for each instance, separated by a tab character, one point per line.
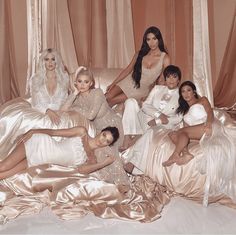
17	117
71	195
186	180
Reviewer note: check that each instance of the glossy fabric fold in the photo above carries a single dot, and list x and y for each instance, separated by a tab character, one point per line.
71	195
17	117
190	180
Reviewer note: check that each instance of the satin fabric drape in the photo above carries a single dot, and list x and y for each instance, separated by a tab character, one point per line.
68	30
10	86
225	91
174	19
71	195
120	37
201	52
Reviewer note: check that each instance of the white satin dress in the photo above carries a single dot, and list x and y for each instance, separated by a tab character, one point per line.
20	115
43	149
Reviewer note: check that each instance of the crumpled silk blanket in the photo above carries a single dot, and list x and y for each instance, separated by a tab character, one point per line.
71	195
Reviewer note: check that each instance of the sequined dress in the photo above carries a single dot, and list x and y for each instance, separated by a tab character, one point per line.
95	108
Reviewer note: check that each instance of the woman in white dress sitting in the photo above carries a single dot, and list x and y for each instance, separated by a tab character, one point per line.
37	147
198	120
48	89
210	174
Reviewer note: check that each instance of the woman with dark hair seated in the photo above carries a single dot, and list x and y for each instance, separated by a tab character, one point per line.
207	170
37	147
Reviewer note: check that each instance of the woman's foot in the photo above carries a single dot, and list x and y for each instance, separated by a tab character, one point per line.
172	159
184	159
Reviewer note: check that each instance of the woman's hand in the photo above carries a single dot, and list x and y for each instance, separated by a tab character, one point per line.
123	188
75	89
208	128
73	86
109	160
164	119
54	117
141	101
152	122
23	138
110	87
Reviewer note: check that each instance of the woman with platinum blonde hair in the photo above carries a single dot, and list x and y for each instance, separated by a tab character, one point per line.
48	89
91	102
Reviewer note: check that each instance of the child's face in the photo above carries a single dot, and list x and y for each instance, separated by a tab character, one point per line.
83	83
172	81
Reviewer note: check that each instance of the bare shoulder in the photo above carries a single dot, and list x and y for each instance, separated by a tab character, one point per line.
204	100
166	60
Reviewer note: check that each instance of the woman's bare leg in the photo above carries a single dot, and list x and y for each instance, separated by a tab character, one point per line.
118	99
16	169
15	157
186	156
115	96
114	91
183	137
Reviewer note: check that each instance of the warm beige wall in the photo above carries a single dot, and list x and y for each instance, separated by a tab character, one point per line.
221	14
19	31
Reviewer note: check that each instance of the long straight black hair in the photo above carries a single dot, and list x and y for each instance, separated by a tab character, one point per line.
136	75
